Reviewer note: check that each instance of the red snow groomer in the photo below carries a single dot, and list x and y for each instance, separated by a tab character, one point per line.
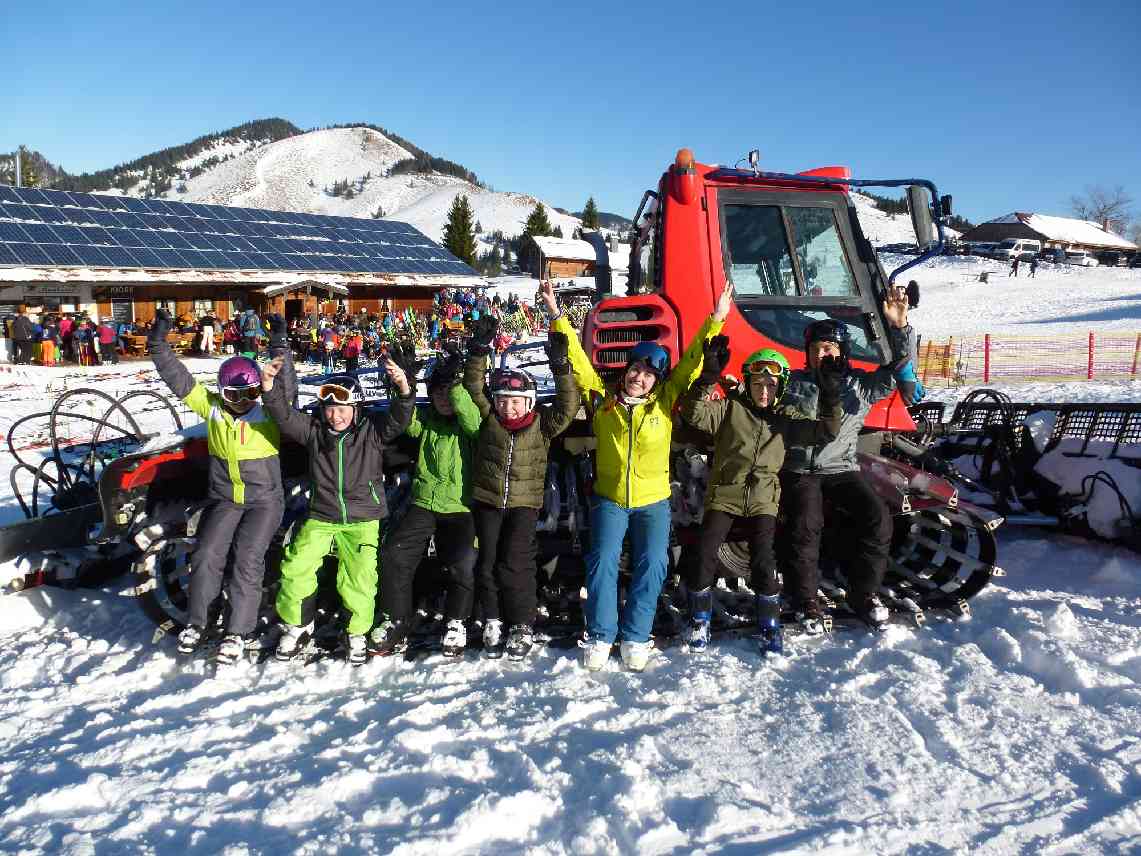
793	247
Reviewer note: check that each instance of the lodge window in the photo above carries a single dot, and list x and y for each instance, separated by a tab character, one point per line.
203	307
167	303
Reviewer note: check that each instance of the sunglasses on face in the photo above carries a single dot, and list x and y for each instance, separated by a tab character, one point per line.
332	393
764	367
238	394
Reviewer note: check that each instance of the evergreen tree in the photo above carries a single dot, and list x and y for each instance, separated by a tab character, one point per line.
459	234
557	232
537	224
590	214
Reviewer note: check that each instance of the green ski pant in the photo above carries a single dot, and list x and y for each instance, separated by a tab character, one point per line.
356	570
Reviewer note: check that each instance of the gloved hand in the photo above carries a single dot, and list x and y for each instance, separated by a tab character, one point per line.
404	355
910	387
448	365
159	328
482	332
278	337
830	378
558	351
716	358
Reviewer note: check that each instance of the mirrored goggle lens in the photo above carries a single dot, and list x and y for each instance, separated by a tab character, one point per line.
335	394
764	367
510	382
238	394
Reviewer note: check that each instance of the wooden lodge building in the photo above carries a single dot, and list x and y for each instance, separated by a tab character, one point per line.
121	257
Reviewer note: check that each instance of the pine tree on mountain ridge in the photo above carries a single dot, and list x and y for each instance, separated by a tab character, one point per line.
459	233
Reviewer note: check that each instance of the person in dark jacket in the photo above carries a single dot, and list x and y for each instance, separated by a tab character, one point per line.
749	430
509	480
246	500
441	500
251	331
22	338
346	501
813	474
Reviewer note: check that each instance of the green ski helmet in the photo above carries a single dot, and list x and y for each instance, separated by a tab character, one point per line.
771	362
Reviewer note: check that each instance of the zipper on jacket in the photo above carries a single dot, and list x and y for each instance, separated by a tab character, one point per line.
341	478
629	453
507	469
372	490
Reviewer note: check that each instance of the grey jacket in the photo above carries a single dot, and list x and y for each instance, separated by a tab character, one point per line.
861	390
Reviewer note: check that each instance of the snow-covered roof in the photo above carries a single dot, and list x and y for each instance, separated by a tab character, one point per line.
566	248
134	276
1067	229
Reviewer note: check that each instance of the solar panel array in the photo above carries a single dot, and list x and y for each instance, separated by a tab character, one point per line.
61	229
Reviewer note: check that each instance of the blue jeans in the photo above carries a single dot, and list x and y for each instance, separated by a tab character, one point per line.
649	528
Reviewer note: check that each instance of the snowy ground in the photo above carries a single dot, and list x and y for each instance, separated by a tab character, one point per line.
1015	731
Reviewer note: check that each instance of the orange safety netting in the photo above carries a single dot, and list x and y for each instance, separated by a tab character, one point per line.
997	358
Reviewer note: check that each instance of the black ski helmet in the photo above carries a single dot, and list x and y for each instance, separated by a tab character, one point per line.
829	330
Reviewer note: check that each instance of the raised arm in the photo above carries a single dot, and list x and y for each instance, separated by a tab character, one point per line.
875	385
173	373
468	414
293	424
400	405
475	374
279	347
584	374
689	366
555	418
697	409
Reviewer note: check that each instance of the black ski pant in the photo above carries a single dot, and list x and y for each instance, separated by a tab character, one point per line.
506	570
455	548
758	531
248	529
107	353
853	507
22	351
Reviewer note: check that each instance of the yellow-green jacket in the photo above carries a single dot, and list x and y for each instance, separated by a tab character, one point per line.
244	463
632	466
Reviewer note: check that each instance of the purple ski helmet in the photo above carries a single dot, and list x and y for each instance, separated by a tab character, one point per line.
238	372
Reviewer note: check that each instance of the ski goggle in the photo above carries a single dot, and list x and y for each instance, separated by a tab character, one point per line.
764	367
508	382
238	394
332	393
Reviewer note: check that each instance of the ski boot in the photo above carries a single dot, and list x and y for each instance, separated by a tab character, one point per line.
700	616
520	642
810	617
595	653
493	642
231	650
389	637
455	638
770	636
190	638
871	611
292	641
356	649
636	654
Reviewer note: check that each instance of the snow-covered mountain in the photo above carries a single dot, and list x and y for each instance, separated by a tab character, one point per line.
298	174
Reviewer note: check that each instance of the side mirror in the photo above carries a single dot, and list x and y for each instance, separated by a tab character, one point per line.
912	294
919	204
945	204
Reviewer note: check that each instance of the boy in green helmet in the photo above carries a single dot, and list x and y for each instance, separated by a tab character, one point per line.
749	428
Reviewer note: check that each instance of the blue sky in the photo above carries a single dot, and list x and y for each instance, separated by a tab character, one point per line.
1007	106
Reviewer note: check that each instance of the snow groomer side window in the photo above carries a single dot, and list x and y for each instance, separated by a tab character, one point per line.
789	257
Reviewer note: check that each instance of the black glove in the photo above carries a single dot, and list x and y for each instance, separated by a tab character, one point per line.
830	378
159	328
558	352
448	365
482	332
404	355
716	358
278	337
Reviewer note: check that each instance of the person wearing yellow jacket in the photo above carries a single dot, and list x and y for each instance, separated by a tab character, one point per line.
633	424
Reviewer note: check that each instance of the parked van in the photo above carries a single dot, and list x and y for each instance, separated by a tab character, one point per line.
1017	248
1082	258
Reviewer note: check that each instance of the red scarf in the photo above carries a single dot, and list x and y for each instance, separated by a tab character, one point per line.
517	424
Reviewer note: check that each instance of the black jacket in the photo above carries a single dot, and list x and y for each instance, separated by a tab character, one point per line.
22	329
345	470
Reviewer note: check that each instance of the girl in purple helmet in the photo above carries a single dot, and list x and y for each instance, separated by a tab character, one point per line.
244	489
